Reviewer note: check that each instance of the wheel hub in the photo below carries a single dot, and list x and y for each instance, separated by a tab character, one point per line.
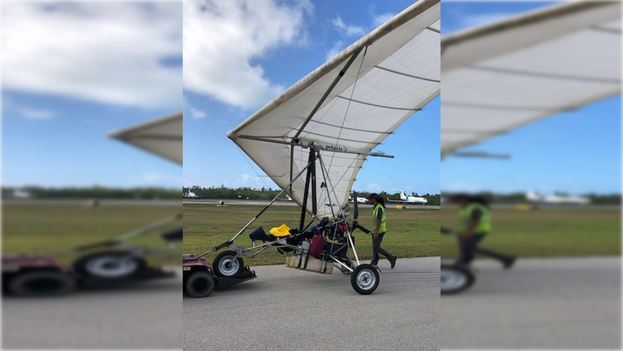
112	266
366	279
451	279
229	265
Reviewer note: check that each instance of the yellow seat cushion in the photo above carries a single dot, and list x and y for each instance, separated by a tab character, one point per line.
280	231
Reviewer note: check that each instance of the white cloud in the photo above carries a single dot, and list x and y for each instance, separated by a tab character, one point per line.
221	38
196	113
248	180
380	19
348	30
336	49
105	52
35	114
9	107
374	188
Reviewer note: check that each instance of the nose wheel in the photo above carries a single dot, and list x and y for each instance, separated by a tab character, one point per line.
227	264
365	279
455	279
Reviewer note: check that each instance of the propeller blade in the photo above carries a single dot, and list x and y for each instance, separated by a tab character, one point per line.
356	207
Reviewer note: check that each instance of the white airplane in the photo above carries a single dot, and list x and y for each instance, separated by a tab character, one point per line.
190	194
409	199
360	200
532	196
21	194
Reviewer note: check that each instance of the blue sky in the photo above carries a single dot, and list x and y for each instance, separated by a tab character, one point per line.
211	159
575	152
72	73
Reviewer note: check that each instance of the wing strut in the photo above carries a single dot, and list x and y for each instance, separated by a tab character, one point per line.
295	139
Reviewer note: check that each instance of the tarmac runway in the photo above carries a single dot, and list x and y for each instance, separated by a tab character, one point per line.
287	309
285	203
565	303
89	202
144	315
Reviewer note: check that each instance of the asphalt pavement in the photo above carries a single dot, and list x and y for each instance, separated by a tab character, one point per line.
563	303
288	309
142	315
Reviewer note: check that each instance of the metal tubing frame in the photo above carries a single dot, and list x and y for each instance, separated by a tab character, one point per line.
322	166
229	243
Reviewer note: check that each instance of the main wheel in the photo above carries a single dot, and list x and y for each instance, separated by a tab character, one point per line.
365	279
455	279
199	284
42	283
109	265
227	264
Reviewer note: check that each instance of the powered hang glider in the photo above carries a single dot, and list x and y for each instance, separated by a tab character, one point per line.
503	75
347	107
313	139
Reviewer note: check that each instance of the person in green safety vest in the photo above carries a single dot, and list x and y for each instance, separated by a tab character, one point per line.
379	228
475	224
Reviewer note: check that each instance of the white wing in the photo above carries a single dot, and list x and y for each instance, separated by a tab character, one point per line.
162	136
506	74
392	72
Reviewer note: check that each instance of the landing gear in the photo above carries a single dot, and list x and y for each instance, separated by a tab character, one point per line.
455	278
227	264
365	279
110	265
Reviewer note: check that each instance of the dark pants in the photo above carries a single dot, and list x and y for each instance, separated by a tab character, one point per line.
469	247
377	249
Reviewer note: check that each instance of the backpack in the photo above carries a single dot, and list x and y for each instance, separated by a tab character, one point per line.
316	246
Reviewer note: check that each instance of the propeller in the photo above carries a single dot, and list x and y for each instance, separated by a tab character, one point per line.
356	214
356	208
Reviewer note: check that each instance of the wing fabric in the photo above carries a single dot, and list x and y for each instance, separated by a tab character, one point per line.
162	137
503	75
391	73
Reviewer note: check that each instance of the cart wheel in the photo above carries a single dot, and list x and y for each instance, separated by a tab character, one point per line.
42	283
110	265
365	279
199	284
227	264
455	279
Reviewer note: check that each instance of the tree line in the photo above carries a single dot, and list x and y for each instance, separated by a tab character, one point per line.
94	192
519	197
263	193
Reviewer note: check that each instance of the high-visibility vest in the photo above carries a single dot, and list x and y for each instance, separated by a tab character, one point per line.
484	225
375	214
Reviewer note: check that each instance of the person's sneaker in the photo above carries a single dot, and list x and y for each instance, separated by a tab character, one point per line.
393	261
509	262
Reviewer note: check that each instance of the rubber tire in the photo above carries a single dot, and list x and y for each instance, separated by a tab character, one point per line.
81	265
221	256
470	278
353	278
189	284
22	284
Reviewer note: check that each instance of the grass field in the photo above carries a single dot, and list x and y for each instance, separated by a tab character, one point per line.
36	228
411	232
546	232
